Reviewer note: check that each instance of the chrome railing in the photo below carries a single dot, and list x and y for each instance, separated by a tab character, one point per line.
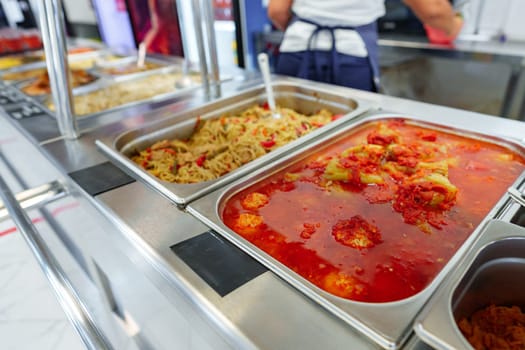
53	33
66	295
36	197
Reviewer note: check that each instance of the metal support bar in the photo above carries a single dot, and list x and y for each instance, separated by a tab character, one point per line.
197	19
209	21
204	29
54	38
510	91
75	310
36	197
517	196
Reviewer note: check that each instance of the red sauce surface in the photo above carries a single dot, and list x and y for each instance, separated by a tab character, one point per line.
375	242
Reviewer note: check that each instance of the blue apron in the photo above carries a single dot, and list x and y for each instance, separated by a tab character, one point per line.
312	61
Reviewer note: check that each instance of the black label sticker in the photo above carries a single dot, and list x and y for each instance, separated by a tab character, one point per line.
220	263
101	178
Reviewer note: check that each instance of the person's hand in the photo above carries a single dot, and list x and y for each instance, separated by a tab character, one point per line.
443	24
437	36
279	12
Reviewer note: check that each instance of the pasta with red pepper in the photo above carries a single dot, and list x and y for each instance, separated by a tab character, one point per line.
221	145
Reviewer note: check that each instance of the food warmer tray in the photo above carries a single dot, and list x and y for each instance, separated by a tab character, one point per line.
97	49
387	324
32	56
104	82
163	66
288	94
102	79
42	98
97	54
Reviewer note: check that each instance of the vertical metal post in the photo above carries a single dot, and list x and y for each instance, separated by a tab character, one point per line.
54	38
183	32
197	19
209	21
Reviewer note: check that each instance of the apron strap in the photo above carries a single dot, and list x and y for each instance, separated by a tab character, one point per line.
312	53
367	32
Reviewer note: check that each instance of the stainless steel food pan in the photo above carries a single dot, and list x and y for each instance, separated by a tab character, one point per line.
35	57
303	99
387	324
492	273
162	66
105	87
95	84
95	55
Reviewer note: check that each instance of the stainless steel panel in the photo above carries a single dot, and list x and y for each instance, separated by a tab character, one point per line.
181	126
492	272
387	324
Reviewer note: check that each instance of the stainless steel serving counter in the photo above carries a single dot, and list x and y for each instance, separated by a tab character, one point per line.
509	53
163	273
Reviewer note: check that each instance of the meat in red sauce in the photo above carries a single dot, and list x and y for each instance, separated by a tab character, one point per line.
376	215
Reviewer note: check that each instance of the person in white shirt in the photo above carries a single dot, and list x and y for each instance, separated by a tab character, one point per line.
335	41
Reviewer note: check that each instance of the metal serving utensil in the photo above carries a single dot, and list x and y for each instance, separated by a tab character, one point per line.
141	55
185	81
265	71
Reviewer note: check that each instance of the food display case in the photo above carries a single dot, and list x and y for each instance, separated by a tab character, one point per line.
278	252
205	271
174	227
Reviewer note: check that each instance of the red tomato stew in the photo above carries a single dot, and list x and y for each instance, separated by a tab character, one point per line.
376	215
